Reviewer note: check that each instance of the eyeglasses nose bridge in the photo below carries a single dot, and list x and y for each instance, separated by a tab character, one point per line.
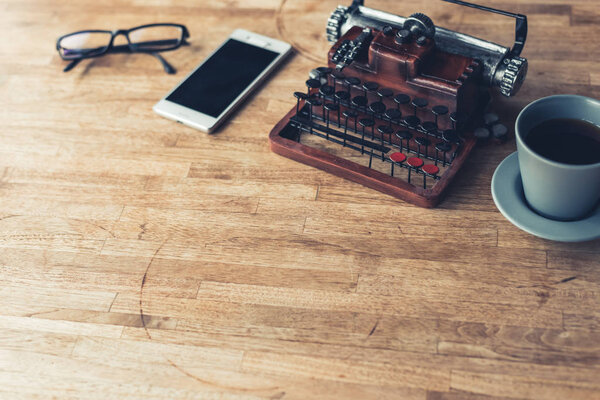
118	32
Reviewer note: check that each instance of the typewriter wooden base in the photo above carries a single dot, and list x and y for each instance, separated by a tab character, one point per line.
366	176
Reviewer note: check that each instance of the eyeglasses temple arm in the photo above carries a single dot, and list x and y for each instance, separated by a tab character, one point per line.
72	65
169	69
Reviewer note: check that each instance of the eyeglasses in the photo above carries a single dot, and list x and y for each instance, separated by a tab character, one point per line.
151	39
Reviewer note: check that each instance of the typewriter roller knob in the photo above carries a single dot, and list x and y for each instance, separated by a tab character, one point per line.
510	75
420	24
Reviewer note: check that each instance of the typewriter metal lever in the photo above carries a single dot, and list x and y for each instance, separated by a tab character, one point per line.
502	67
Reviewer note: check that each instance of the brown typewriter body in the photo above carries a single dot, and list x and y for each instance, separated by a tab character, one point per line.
420	71
393	113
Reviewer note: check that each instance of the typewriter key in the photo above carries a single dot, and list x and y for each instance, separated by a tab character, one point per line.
444	147
431	170
401	99
377	108
430	128
365	122
421	141
312	102
312	84
352	115
359	101
393	115
439	110
369	87
299	96
457	119
396	158
384	130
412	122
326	91
351	81
384	93
414	162
337	76
419	103
450	136
402	135
330	107
341	96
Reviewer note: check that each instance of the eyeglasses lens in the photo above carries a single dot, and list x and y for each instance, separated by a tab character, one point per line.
84	44
156	38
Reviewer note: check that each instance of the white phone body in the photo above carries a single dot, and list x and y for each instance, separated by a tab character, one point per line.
204	100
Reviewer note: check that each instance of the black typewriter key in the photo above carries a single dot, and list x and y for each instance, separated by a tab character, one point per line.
384	131
369	87
337	76
443	147
349	114
450	136
401	99
359	101
326	91
341	96
438	111
430	128
419	103
330	107
299	96
456	119
365	123
312	84
351	81
422	141
377	108
404	135
312	102
324	70
412	122
384	93
393	115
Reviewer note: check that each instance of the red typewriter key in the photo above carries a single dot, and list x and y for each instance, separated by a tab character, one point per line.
429	169
396	158
414	162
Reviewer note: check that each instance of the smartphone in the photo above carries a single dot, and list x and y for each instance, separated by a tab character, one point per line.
213	90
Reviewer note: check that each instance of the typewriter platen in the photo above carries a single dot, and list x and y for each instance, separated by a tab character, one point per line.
396	105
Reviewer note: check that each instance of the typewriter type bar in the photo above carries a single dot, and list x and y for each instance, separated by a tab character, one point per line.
383	139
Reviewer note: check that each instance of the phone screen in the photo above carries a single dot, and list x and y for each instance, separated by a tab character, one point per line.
222	78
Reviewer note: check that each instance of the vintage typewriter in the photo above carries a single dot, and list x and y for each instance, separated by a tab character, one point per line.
396	106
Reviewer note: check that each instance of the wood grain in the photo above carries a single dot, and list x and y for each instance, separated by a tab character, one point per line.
143	259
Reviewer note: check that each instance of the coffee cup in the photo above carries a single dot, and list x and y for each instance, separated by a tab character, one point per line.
559	169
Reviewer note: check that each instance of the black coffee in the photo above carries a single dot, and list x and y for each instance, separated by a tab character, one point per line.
565	140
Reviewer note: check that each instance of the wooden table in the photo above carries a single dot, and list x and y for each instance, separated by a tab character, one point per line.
143	259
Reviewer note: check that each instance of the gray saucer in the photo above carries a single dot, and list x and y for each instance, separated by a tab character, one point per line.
507	191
